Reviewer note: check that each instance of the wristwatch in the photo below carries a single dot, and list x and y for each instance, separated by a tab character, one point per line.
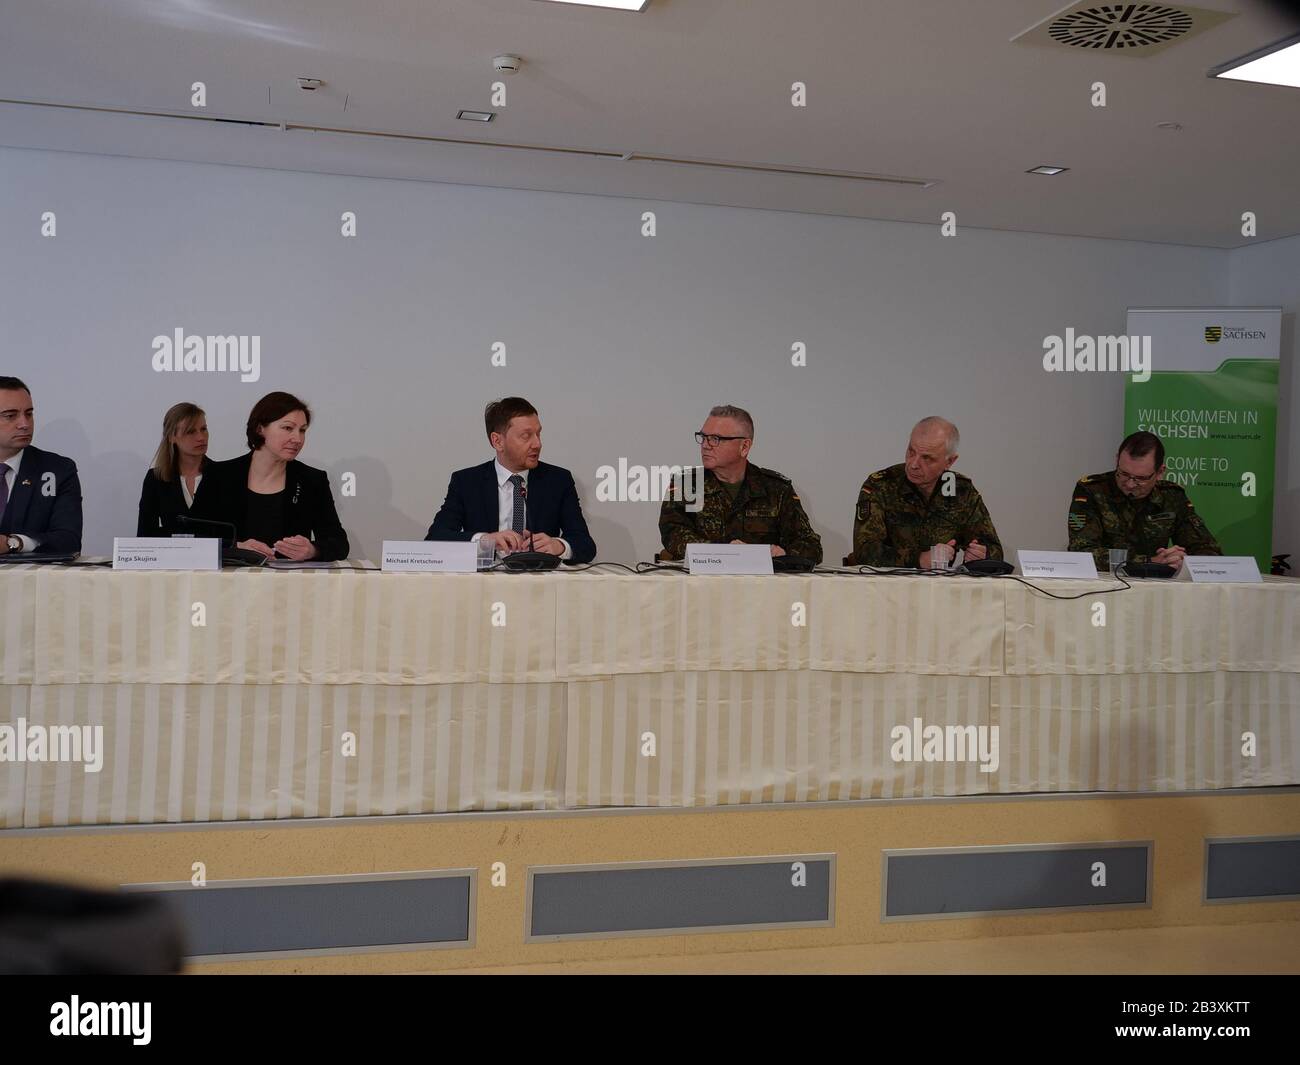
14	543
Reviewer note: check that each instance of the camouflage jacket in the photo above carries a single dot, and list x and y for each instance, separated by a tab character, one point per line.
894	523
766	510
1102	517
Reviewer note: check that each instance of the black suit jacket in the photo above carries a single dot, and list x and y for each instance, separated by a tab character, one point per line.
473	506
308	510
162	502
53	521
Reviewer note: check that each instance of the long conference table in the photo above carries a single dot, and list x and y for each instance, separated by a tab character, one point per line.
251	694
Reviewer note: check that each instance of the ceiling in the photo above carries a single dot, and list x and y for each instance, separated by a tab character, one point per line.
929	89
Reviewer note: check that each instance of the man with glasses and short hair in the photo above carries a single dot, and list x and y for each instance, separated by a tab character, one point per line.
743	503
1131	507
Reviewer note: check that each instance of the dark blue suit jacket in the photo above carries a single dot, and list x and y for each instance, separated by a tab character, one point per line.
53	521
473	506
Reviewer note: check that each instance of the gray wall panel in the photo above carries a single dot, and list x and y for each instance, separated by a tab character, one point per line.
273	917
613	900
1004	880
1252	869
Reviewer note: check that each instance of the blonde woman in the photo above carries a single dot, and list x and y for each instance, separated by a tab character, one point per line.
179	465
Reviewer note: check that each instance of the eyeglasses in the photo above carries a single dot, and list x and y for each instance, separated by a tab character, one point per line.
1135	480
713	439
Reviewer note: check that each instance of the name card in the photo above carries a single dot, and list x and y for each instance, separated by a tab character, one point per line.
429	556
1076	565
166	553
1222	569
728	558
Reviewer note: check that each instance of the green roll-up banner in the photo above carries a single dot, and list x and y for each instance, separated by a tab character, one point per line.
1212	400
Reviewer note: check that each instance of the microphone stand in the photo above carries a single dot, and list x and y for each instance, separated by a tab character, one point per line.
529	561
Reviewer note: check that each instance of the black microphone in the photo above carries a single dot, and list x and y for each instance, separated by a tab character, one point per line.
530	560
226	532
223	530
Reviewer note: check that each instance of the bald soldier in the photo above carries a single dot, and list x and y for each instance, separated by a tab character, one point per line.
1132	507
743	503
905	510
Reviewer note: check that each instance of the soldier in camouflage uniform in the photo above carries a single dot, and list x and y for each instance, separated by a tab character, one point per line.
1131	507
906	509
743	503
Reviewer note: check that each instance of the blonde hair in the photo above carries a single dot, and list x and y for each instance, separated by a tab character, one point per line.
166	460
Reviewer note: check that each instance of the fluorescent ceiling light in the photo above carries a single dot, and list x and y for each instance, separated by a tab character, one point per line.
1050	171
1274	64
475	116
619	5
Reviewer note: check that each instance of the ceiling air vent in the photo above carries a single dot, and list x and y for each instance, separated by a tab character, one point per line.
1123	29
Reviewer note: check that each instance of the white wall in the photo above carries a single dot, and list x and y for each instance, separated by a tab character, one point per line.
1268	275
622	341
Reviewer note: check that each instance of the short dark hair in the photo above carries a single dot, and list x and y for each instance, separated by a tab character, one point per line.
497	414
271	407
1140	445
12	384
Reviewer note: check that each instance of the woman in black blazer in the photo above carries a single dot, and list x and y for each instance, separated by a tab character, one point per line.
172	483
278	505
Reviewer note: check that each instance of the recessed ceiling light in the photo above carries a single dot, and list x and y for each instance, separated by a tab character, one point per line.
1049	170
1274	64
619	5
476	116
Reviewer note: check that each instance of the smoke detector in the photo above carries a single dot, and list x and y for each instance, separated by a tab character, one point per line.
1124	29
507	64
309	84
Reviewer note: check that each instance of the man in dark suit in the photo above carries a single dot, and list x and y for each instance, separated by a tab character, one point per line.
515	497
40	495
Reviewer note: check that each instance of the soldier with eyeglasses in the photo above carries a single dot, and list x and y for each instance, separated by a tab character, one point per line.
1132	507
743	503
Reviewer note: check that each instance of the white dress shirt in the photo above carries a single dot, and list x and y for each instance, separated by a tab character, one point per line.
185	488
506	506
11	479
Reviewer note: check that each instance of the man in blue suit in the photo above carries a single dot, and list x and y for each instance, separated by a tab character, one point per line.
40	495
515	497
